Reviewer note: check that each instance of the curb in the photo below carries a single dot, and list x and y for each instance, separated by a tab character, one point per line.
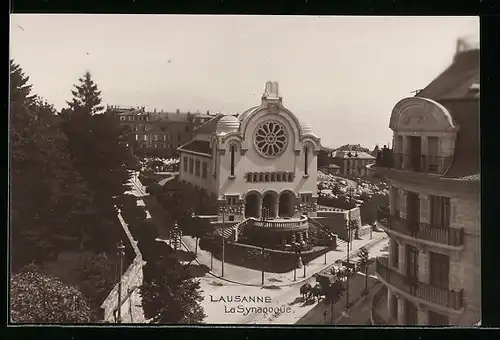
367	246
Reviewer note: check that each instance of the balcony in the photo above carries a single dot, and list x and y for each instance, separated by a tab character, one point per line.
448	236
436	295
283	224
416	163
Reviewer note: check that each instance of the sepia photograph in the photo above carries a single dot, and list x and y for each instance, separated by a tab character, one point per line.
244	170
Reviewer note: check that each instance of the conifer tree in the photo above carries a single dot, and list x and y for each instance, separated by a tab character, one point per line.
47	193
86	96
98	148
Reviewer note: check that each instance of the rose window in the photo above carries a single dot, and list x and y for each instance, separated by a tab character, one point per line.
271	138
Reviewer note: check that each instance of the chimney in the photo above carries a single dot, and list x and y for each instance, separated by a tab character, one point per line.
271	91
208	112
178	111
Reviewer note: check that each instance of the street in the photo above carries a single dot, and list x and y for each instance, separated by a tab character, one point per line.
239	298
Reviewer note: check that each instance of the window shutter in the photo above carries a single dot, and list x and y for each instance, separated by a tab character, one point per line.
424	208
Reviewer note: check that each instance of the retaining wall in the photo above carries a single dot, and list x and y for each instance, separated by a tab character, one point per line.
131	304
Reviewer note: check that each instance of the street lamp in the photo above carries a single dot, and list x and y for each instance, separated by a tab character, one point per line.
223	212
264	217
121	253
328	237
350	226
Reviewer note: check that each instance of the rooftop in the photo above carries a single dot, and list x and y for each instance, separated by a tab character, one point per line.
457	89
199	146
351	154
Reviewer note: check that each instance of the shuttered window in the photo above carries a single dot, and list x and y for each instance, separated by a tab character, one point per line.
439	270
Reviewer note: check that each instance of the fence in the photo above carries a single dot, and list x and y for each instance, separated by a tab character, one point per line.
130	307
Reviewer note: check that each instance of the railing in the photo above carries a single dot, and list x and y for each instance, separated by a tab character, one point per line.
441	296
425	231
417	163
375	318
227	232
301	224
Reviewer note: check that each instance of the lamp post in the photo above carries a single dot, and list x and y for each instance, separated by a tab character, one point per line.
223	239
264	216
120	257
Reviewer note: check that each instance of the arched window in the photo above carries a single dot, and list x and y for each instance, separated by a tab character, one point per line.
273	177
255	177
233	150
279	177
306	160
261	179
249	177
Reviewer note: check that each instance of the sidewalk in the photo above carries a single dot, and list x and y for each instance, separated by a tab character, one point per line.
251	277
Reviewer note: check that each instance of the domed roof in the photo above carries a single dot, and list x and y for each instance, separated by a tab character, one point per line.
227	124
306	128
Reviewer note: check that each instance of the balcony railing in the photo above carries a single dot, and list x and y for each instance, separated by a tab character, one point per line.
441	296
425	231
417	163
301	223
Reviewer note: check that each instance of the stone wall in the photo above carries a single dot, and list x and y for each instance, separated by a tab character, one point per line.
131	304
336	220
276	261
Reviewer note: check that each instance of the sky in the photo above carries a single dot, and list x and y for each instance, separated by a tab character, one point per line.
343	75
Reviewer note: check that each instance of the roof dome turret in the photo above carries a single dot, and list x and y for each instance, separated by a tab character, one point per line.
227	124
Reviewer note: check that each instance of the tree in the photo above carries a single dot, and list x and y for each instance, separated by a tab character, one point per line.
334	293
98	275
97	146
39	298
364	263
171	296
86	96
48	193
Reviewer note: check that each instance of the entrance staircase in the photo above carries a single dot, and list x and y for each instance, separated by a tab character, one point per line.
238	228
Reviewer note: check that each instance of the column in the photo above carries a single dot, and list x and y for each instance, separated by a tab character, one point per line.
402	258
301	237
294	239
423	315
276	207
390	299
424	208
424	145
405	150
401	310
423	266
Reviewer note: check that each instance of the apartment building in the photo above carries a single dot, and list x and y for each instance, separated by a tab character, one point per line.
158	133
433	272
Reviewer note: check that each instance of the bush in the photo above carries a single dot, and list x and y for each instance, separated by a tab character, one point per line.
39	298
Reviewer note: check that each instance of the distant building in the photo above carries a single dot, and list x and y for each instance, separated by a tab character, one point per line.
331	169
433	272
352	163
158	133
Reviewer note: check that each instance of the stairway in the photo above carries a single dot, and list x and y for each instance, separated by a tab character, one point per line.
227	232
